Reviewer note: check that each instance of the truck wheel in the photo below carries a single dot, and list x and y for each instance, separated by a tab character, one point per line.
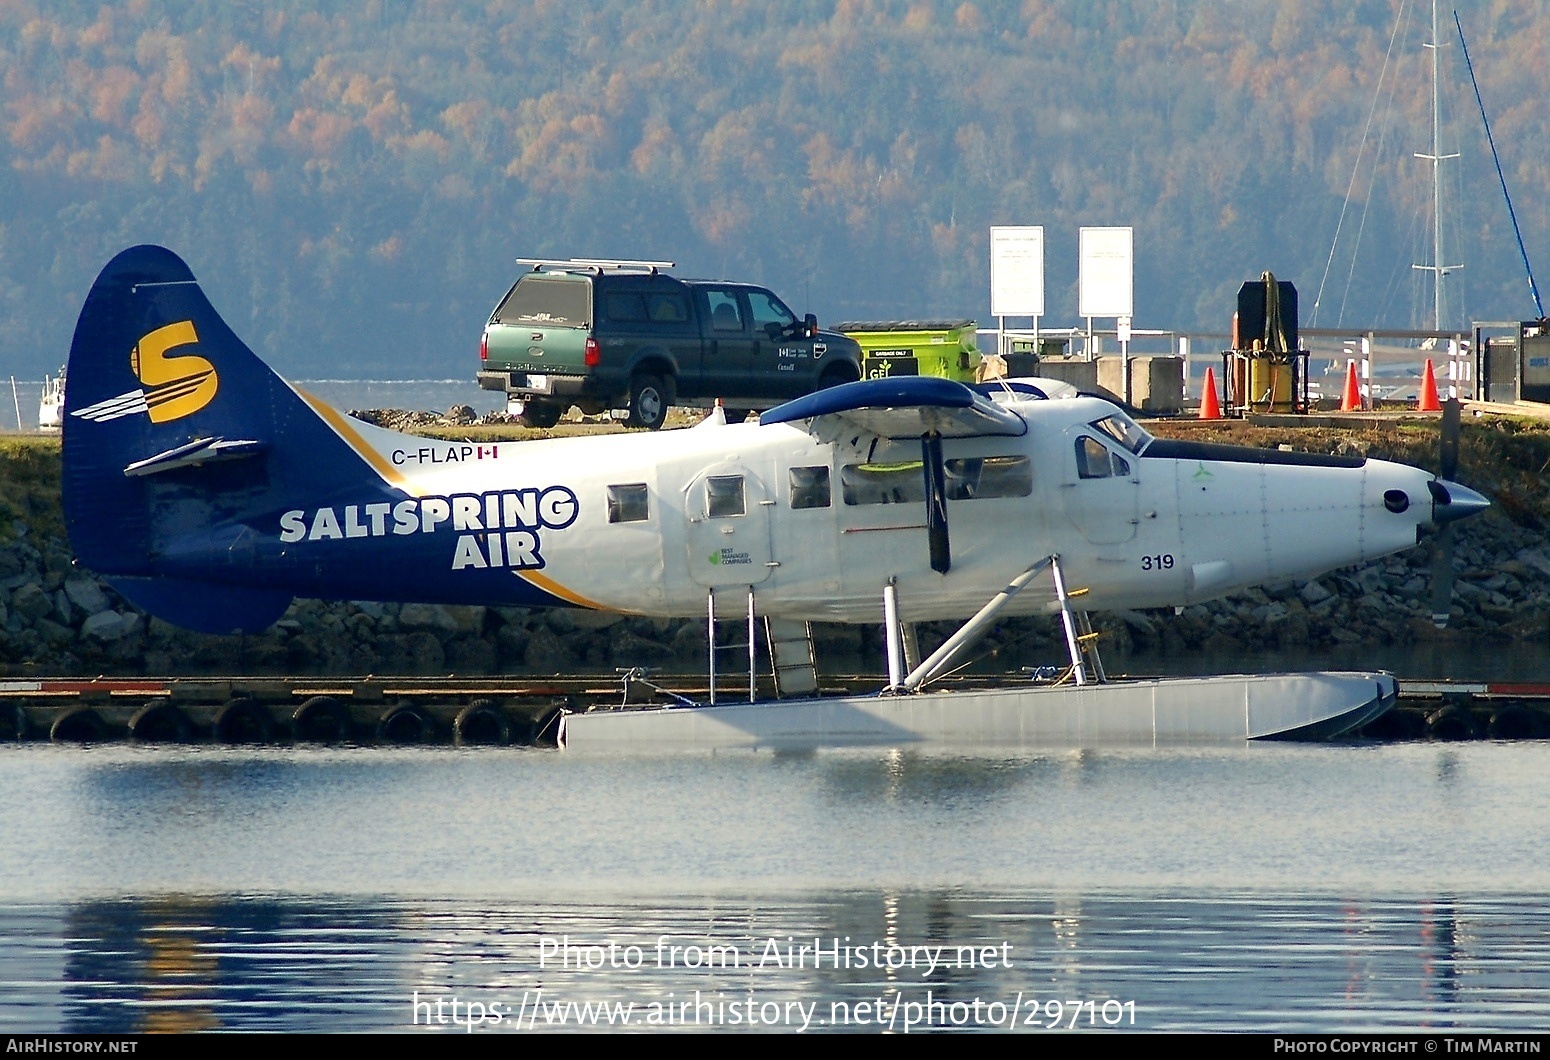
648	402
835	377
540	414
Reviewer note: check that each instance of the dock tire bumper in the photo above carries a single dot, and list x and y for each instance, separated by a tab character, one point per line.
405	725
1512	722
481	722
322	719
243	720
81	725
160	722
1452	722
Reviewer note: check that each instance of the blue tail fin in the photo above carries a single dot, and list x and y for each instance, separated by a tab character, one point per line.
178	440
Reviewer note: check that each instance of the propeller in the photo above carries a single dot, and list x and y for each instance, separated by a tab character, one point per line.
936	502
1450	503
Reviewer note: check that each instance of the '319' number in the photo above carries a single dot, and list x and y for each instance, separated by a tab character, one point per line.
1160	562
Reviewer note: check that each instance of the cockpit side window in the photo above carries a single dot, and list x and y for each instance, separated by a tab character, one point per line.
1092	458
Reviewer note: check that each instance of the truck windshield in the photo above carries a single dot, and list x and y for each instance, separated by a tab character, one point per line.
535	300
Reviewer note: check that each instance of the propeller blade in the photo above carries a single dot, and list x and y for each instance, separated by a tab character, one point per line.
936	502
1442	575
1450	438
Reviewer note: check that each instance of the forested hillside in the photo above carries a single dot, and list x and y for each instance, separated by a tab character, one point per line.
352	182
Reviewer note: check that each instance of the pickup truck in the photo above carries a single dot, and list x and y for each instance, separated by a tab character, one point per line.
624	335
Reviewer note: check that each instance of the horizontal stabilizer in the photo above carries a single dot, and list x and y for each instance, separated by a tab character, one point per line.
195	453
904	407
205	607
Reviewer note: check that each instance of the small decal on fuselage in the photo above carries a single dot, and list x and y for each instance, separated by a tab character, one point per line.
445	454
498	529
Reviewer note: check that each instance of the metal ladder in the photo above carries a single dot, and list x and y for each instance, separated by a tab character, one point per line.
750	645
792	658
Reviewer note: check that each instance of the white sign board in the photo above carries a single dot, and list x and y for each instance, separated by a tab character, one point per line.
1106	278
1017	271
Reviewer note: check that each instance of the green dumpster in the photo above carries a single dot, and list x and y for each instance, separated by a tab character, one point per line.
915	347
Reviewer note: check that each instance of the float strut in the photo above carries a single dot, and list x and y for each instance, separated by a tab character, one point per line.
893	634
1078	670
971	630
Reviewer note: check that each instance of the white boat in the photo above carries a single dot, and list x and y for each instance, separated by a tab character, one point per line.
1165	712
51	406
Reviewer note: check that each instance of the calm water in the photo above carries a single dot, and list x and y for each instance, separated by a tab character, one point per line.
1267	888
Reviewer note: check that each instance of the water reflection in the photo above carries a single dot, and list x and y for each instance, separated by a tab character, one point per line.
1180	962
1283	887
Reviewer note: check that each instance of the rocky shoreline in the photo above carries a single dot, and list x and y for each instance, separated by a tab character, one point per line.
58	620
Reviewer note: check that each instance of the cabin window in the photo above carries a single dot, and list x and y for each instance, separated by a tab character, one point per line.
968	478
724	496
982	477
810	487
628	504
625	307
668	308
883	483
1092	458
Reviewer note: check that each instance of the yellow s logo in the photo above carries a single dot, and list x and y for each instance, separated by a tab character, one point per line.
174	386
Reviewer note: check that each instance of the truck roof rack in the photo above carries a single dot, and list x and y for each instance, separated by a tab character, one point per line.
597	265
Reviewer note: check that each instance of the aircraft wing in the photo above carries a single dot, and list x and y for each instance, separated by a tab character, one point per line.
904	407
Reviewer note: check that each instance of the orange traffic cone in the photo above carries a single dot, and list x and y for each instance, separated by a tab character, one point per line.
1210	406
1429	402
1351	400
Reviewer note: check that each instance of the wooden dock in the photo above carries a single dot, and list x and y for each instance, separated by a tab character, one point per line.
524	710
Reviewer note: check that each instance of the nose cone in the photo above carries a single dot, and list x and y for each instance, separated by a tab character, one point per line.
1452	502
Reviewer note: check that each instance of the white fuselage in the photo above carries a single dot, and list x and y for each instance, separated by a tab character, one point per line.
816	529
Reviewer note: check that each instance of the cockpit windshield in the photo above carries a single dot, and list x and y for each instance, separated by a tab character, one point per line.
1125	431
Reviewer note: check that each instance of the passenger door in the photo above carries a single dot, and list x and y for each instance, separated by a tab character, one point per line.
727	509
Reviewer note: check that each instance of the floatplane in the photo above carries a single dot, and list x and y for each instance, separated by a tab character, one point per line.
211	493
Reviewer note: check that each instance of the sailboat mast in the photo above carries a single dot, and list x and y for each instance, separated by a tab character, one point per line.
1436	268
1436	178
